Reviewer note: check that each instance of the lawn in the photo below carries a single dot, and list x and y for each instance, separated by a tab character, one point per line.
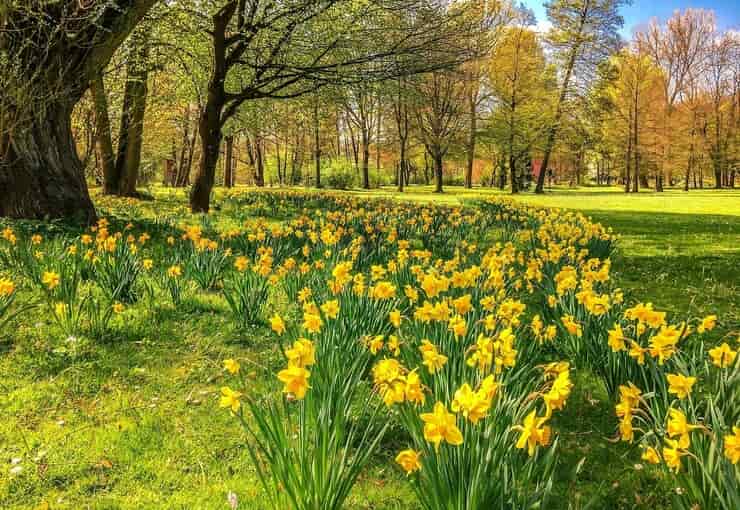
133	423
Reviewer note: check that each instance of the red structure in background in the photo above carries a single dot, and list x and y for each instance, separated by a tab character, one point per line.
536	167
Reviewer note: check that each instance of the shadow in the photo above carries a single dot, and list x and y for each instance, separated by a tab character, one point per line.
665	224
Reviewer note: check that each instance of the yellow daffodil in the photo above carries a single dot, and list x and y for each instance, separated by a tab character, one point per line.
7	287
732	445
440	425
413	388
277	324
572	326
616	339
650	455
230	399
431	357
331	309
312	322
680	385
241	264
302	353
50	279
395	318
376	344
232	366
707	323
458	326
295	379
533	432
678	426
409	461
672	453
470	404
722	356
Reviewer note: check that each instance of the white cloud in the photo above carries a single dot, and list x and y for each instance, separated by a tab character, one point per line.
542	26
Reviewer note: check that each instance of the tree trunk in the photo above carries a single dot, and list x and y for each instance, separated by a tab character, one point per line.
377	138
470	149
402	164
260	177
229	162
438	171
41	176
132	119
512	173
636	148
103	144
279	162
365	158
186	151
209	131
210	122
628	163
317	143
130	173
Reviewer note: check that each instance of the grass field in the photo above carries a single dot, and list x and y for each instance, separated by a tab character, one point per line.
132	423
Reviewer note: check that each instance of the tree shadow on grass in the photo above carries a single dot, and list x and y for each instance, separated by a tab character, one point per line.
672	225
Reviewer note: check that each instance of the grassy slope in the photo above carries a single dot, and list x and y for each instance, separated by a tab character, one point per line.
133	424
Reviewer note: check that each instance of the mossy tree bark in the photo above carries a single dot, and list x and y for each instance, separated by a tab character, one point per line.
41	175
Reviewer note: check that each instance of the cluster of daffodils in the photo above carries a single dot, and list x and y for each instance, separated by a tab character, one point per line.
674	396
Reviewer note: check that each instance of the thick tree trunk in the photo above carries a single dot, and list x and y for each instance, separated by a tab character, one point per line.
103	144
41	176
717	173
259	175
279	161
209	131
131	158
123	133
512	157
210	122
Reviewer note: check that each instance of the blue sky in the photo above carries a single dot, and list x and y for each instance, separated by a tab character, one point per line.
640	12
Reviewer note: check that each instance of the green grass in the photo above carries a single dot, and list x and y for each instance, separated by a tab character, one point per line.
132	423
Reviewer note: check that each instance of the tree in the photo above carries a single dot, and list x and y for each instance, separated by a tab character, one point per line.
633	91
103	143
264	49
719	80
488	22
680	49
584	33
439	116
519	88
361	102
40	172
401	117
131	131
